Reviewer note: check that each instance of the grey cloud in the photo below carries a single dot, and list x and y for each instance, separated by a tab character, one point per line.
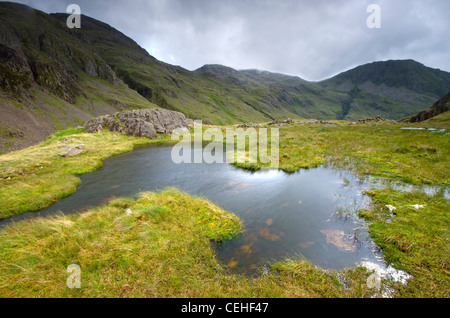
311	39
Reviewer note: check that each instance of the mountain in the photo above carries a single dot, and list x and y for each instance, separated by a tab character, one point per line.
214	96
391	88
53	77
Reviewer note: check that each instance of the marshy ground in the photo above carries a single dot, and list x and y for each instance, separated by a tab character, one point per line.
162	249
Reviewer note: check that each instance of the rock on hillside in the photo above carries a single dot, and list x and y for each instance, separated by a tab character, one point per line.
141	123
441	106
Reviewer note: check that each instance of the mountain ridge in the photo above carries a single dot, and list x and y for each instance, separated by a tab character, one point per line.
52	77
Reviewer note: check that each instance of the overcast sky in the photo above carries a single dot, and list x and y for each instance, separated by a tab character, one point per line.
313	39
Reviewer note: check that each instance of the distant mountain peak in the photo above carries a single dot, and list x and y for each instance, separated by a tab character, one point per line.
408	74
217	69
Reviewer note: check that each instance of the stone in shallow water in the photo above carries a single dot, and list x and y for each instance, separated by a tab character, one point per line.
306	244
265	233
247	249
232	263
337	238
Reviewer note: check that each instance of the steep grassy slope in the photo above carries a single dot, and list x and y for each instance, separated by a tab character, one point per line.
277	91
50	80
172	87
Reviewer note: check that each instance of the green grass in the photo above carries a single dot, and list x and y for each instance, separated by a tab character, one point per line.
381	150
414	240
36	177
161	249
102	94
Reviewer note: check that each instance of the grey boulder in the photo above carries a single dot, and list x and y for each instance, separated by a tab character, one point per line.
141	123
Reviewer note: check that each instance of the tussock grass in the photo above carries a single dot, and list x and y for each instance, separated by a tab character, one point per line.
412	240
161	249
415	240
382	150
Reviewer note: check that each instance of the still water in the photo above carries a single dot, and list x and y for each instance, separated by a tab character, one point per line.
309	214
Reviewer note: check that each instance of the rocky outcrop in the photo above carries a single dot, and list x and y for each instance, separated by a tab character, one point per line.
281	121
371	120
441	106
141	123
248	125
317	122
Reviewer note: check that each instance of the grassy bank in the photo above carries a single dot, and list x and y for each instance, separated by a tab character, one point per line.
382	149
161	249
36	177
414	239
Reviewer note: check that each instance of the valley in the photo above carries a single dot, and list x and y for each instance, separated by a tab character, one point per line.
357	207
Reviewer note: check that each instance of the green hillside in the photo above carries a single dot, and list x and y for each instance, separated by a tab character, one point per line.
53	77
390	88
214	99
50	79
222	95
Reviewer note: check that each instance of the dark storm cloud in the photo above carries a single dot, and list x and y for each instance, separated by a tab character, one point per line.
311	39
